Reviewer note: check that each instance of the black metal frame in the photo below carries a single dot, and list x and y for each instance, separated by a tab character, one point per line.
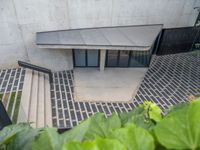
170	43
86	59
4	118
37	68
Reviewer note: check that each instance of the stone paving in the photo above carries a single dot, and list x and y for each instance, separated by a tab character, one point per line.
169	80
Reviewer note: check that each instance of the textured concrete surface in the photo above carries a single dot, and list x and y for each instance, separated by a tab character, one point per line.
110	85
21	19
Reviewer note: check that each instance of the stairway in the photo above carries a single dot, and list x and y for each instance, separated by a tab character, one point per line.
35	104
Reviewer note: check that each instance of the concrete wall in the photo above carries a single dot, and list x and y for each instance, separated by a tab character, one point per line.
21	19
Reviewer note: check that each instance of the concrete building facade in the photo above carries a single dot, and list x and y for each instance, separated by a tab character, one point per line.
21	19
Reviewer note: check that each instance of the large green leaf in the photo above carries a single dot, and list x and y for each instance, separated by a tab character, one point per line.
137	116
96	126
23	139
8	133
134	138
176	107
98	144
180	129
126	116
49	139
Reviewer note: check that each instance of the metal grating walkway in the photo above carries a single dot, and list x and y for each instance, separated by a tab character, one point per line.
169	80
11	84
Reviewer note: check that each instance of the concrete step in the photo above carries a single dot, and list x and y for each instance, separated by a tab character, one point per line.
32	117
41	101
36	102
25	98
47	98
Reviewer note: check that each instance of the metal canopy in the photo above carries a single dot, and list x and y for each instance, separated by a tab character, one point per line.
116	38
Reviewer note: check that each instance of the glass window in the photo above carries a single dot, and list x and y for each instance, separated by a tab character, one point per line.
139	58
86	58
93	58
80	57
112	57
123	58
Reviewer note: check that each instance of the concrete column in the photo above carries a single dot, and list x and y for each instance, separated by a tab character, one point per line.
70	59
102	59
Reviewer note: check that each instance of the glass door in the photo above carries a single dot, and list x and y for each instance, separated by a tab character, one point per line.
79	58
139	59
112	58
123	58
86	58
92	58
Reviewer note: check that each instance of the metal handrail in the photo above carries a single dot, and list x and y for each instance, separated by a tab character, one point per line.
37	68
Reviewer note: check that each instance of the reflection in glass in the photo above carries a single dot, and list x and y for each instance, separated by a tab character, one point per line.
112	57
139	58
80	57
92	58
123	58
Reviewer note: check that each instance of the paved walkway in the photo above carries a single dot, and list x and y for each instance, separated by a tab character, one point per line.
169	80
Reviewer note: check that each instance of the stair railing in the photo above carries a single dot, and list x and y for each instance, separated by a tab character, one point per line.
37	68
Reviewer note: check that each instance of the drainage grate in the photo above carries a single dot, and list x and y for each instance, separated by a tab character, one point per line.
11	84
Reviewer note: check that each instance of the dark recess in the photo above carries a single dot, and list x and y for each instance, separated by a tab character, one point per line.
4	118
177	40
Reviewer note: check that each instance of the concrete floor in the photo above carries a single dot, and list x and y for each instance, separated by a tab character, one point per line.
111	85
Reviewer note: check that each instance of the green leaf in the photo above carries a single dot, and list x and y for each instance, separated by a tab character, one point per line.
49	139
137	116
96	126
24	139
134	138
154	112
8	133
176	107
98	144
180	129
136	112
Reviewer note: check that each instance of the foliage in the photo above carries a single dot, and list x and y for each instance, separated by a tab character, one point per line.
9	133
180	129
97	144
144	128
134	137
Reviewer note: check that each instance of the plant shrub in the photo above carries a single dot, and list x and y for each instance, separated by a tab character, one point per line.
144	128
